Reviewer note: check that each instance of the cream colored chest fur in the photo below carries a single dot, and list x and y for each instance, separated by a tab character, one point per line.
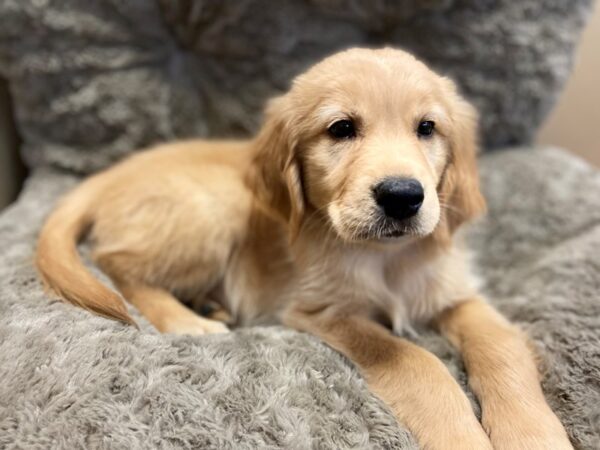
398	280
407	286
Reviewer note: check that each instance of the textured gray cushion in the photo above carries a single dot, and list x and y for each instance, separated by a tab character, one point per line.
94	79
73	380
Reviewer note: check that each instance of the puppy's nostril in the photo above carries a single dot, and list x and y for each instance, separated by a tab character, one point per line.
400	198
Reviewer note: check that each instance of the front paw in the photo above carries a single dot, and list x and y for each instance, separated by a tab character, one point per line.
195	326
532	430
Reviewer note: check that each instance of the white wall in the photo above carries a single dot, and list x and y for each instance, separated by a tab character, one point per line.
575	122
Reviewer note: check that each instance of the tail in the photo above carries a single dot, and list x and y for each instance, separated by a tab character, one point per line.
58	261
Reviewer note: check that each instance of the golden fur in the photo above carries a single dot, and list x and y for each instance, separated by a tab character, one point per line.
285	228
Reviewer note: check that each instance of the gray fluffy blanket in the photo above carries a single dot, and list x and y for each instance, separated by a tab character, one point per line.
73	380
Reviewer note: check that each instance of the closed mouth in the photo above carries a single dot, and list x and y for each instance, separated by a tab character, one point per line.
393	233
384	228
385	233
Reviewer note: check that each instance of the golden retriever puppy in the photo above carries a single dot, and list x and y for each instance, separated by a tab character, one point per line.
339	217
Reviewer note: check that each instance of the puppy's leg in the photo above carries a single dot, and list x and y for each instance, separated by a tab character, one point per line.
412	381
503	375
214	311
167	314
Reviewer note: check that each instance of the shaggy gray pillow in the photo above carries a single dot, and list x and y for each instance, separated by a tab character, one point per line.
95	79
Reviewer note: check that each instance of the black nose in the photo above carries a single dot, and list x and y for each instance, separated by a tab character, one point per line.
400	198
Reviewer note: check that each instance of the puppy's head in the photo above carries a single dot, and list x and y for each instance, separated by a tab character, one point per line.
374	142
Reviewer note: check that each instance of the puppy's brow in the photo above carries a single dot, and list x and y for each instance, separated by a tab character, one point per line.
434	112
328	113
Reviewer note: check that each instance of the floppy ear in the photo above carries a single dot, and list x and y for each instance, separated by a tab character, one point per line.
459	187
277	171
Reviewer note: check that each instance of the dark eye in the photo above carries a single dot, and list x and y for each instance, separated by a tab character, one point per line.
425	128
342	129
